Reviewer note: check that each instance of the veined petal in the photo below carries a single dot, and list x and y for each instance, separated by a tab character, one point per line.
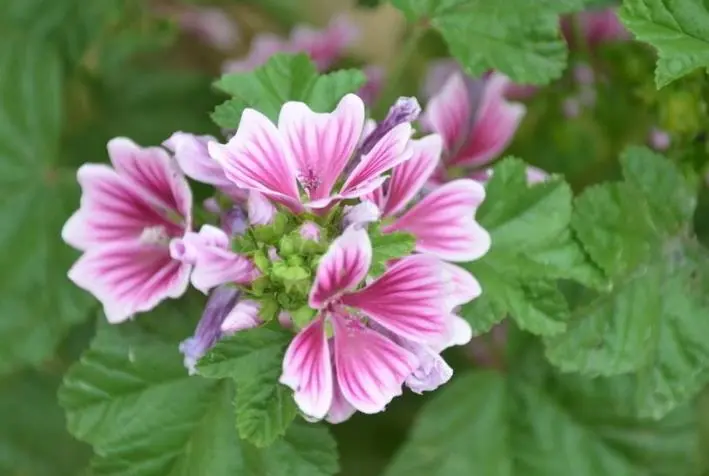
361	214
340	410
495	125
408	299
448	113
342	267
192	155
322	143
130	277
387	153
463	286
459	332
260	210
370	368
257	158
408	178
112	209
432	371
444	222
243	316
307	369
155	172
214	263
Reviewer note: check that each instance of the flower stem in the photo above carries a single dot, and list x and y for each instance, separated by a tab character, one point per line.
397	73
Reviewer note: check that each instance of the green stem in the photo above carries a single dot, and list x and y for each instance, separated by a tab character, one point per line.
397	73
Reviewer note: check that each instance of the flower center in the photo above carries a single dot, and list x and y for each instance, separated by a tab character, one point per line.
310	181
155	235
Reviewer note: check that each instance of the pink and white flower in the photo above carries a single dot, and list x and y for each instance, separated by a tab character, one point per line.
341	362
128	216
475	120
443	221
324	47
309	151
596	27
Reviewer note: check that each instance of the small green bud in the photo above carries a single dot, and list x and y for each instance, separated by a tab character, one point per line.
269	309
261	261
302	316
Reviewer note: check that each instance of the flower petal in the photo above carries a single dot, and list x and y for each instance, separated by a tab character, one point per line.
408	299
257	158
449	112
463	285
130	277
243	316
496	122
342	267
387	153
261	211
322	143
155	172
112	209
408	178
214	263
370	368
307	369
444	222
361	214
432	371
340	410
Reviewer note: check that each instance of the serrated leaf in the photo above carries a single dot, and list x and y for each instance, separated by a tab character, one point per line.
33	436
389	246
283	78
532	247
650	319
131	398
264	408
548	425
679	30
245	354
254	359
37	194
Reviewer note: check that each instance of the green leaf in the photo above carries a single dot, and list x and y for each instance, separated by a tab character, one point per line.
535	423
37	194
532	247
253	359
283	78
389	246
651	319
131	398
33	436
518	37
679	30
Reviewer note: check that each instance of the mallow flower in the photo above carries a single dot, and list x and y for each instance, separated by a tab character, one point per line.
129	215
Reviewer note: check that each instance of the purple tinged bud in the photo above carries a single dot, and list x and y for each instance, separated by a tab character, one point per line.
220	303
212	205
273	254
404	110
309	231
234	221
584	75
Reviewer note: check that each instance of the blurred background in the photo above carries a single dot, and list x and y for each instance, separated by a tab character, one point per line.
144	69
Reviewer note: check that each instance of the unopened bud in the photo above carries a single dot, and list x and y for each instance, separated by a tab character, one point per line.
309	231
404	110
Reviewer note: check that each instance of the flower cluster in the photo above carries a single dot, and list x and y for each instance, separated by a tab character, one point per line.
290	238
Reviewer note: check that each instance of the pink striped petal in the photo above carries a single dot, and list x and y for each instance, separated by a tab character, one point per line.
432	371
463	286
389	152
342	267
154	171
130	277
322	143
340	410
214	262
361	214
112	209
260	210
243	316
449	112
258	158
408	178
307	369
444	222
408	299
370	368
438	72
496	122
459	331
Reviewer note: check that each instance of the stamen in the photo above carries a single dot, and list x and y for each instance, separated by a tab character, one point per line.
155	235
